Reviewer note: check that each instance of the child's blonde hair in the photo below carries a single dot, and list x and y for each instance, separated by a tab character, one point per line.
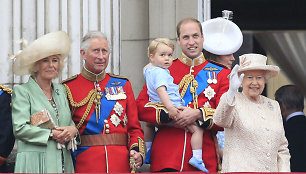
153	45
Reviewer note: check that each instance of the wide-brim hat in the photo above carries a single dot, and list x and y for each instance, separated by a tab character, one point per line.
221	36
252	61
55	43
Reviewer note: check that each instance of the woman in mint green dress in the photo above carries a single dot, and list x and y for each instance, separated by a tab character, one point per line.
43	150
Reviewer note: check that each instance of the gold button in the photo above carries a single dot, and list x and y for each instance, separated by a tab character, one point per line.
107	131
107	125
105	121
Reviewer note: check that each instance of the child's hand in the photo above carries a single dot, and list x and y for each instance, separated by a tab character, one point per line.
173	111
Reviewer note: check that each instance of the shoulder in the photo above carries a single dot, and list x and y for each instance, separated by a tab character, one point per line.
59	86
218	64
69	79
117	76
5	89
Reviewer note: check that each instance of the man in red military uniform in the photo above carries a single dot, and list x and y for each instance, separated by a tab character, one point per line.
201	85
105	112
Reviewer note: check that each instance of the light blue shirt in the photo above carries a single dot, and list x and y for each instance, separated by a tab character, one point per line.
157	77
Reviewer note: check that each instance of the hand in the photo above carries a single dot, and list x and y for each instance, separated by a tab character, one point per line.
186	116
172	112
234	84
64	134
137	157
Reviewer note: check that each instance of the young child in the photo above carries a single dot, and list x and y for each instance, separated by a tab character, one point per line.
161	89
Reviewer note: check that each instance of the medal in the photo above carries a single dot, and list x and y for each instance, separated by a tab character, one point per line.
209	81
215	81
115	93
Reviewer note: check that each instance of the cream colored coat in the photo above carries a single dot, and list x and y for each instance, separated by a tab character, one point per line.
254	135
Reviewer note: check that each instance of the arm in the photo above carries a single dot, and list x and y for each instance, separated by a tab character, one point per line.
7	138
22	128
164	97
134	129
223	115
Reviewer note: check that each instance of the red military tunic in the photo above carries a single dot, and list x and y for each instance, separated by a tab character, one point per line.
172	145
120	117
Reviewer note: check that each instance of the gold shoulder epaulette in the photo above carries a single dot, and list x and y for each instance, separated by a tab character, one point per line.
8	90
120	77
69	79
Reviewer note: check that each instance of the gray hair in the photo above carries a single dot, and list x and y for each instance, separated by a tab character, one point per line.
91	35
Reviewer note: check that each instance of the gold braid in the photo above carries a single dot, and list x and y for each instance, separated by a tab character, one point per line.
186	80
89	99
185	83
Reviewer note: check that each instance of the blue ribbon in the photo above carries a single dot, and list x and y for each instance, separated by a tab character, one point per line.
201	78
106	107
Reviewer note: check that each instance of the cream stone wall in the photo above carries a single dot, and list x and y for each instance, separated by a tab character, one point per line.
142	21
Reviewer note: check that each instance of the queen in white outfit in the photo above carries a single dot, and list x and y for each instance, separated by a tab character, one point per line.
254	135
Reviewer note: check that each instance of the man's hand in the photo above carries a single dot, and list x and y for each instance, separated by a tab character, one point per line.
186	116
137	157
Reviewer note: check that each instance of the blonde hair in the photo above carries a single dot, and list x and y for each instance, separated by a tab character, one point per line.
34	68
154	44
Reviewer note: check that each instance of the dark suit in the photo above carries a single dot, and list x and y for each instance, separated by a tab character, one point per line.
295	130
6	134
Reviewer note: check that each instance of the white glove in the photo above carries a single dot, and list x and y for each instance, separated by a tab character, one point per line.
60	146
234	84
72	145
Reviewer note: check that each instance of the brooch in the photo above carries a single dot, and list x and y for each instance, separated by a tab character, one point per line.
270	106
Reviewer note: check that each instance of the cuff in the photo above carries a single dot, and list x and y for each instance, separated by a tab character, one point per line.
207	115
2	160
140	148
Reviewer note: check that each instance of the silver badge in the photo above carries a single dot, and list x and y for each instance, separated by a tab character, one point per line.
115	120
118	108
209	92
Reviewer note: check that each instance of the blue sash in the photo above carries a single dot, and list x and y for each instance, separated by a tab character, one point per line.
106	107
201	78
1	92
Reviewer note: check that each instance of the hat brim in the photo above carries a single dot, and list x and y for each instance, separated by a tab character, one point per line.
270	69
221	36
55	43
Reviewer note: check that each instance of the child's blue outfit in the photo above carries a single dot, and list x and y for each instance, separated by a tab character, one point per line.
157	77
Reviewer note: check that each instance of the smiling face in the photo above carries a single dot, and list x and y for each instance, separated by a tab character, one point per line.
97	56
48	67
163	56
191	39
253	83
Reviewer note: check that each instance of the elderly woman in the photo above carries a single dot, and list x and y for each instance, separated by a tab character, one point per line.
254	134
42	150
